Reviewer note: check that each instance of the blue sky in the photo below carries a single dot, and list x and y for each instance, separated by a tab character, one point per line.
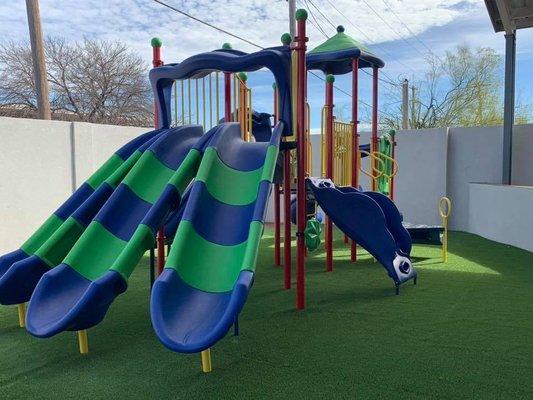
438	24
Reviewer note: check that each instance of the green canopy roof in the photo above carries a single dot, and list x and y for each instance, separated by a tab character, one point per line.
339	42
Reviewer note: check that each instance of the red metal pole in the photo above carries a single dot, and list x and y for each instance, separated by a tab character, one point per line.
375	81
287	259
227	97
355	139
157	62
277	230
301	39
329	166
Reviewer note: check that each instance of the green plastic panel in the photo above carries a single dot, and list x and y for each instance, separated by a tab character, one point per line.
204	265
42	234
142	240
121	172
186	171
56	248
252	246
148	177
104	171
95	252
339	42
226	184
270	163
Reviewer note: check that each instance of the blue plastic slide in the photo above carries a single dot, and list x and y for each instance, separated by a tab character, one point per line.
373	221
21	269
210	268
77	293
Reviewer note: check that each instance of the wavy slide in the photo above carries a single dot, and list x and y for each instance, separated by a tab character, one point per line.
373	221
21	269
210	268
76	294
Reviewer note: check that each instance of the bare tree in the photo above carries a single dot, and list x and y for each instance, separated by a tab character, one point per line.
462	89
93	81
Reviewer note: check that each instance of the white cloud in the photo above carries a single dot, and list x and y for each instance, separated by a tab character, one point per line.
261	21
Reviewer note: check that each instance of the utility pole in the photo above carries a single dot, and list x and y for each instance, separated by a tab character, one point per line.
37	53
292	20
405	104
413	107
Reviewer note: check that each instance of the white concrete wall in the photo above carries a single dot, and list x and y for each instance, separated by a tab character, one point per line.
474	155
522	169
43	161
421	178
502	213
35	168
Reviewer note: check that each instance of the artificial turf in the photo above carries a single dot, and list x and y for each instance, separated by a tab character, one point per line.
465	332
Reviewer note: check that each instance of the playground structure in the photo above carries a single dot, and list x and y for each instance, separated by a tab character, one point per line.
201	181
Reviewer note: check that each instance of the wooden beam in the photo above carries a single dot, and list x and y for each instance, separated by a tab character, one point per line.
39	66
505	16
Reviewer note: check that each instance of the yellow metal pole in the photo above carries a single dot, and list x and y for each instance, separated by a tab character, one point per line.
190	100
203	104
182	103
22	314
210	101
323	143
197	102
83	341
235	96
445	209
206	361
217	99
175	87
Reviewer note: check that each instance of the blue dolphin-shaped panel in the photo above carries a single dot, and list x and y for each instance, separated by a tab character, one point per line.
371	220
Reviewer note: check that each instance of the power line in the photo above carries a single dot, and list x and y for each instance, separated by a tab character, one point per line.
317	26
321	13
260	47
389	81
350	95
415	36
392	29
392	56
207	23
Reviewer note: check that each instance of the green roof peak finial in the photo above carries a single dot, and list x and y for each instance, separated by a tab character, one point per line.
340	29
392	132
286	39
301	14
330	78
242	76
156	42
226	46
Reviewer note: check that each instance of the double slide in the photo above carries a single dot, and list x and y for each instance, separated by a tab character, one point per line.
80	260
372	220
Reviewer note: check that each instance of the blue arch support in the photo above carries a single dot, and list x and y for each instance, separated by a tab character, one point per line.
276	59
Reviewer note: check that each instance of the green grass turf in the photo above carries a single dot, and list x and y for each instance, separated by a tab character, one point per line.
465	332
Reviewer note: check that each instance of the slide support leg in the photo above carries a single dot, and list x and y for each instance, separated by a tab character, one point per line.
206	361
83	341
152	267
236	330
22	314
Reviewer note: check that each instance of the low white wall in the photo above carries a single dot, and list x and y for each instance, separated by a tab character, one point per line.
502	213
42	162
522	169
421	178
